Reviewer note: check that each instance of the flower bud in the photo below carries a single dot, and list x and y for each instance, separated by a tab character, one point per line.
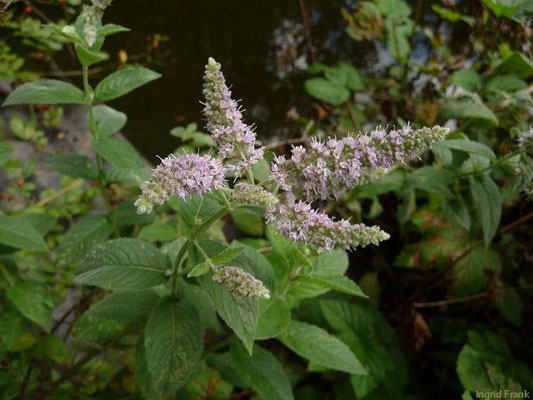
240	283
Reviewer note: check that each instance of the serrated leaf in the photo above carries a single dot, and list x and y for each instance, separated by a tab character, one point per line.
45	92
367	333
467	108
469	272
466	78
195	210
53	348
339	283
111	29
327	91
226	255
274	316
317	345
485	364
108	120
131	308
468	146
240	313
89	57
17	233
158	231
173	342
345	75
34	301
199	270
123	264
122	82
96	329
73	164
488	204
120	153
262	372
82	236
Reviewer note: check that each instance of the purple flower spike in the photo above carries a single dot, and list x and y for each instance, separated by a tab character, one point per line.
329	168
234	139
298	221
181	176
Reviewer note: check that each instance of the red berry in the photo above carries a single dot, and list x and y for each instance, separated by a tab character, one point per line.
28	9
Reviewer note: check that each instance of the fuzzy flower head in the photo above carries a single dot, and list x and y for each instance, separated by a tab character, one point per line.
525	142
329	168
240	283
234	139
298	221
182	176
246	193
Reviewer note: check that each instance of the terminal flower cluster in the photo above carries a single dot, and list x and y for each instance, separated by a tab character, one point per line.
181	176
246	193
329	168
234	139
299	221
240	282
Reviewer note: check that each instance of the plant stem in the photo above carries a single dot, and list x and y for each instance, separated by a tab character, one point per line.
101	176
490	166
181	254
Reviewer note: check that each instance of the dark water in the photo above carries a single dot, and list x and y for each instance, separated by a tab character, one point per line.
248	37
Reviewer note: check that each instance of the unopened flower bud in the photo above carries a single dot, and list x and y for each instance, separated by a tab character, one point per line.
247	193
240	283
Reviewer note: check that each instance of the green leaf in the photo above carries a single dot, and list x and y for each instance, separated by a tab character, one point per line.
53	348
17	233
466	78
488	204
485	364
197	209
240	313
96	329
33	300
345	75
158	231
122	82
83	235
89	57
173	342
226	255
516	64
339	283
73	164
118	152
274	316
512	306
131	308
327	91
107	120
468	146
316	345
249	220
262	372
111	29
45	92
367	333
199	270
12	327
469	272
467	108
43	223
123	264
506	83
5	152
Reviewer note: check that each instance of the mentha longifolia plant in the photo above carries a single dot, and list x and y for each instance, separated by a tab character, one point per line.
170	295
326	170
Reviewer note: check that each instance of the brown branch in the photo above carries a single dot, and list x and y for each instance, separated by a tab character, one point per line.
448	302
307	30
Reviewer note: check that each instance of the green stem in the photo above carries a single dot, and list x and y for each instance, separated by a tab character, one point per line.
206	256
181	254
491	165
6	274
101	176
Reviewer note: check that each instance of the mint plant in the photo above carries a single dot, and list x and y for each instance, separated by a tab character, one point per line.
146	296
